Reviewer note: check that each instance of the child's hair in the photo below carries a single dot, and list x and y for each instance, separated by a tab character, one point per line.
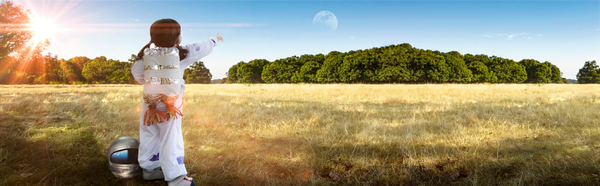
164	33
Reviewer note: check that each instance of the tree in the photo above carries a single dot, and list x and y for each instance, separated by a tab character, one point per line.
556	75
589	73
232	75
481	73
537	72
459	72
429	67
73	68
251	72
329	72
102	70
508	71
13	25
22	59
197	73
394	61
307	73
281	70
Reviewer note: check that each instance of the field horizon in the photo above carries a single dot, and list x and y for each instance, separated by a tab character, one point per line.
315	134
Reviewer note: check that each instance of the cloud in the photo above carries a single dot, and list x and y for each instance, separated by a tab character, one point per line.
527	38
512	36
134	19
539	35
351	37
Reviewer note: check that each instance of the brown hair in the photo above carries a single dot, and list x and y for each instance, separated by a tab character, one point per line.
164	33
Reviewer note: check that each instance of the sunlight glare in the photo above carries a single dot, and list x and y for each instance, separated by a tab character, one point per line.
43	29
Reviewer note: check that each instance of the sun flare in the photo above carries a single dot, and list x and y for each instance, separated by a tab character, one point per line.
42	29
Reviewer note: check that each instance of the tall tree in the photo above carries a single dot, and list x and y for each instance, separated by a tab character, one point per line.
395	64
251	72
232	74
73	69
429	67
589	73
17	51
537	72
197	73
13	28
458	69
556	74
329	72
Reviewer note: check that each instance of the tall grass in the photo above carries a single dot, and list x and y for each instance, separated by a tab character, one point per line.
316	134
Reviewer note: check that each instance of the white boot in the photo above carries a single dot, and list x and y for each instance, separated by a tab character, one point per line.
156	174
182	181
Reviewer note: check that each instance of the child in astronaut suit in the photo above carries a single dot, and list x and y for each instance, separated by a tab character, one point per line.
161	150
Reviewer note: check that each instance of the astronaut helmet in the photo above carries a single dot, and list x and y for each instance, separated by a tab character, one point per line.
122	157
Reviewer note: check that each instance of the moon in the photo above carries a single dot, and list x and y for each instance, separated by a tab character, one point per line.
326	19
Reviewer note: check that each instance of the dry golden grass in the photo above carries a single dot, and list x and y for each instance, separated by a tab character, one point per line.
316	134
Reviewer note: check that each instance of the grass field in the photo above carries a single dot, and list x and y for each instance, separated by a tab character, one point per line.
316	134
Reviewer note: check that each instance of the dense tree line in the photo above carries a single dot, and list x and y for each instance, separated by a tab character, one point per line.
49	69
394	64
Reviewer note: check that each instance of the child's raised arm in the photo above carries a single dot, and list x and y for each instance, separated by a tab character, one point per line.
199	50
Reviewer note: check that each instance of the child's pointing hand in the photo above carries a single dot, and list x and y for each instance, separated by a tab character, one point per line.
219	38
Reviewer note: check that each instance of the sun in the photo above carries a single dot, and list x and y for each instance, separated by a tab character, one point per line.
42	29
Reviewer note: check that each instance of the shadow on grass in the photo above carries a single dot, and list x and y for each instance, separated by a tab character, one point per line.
45	139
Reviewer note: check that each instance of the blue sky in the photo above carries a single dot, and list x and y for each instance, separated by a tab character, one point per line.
565	33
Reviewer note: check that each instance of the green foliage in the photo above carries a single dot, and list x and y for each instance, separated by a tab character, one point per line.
102	70
429	67
481	73
308	73
508	71
232	75
541	72
556	74
250	72
589	73
281	70
197	73
395	64
329	72
13	19
459	72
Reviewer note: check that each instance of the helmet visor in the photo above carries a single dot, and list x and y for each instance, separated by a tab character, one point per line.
125	156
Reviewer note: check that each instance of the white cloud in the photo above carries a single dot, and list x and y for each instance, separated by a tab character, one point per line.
512	36
134	19
351	37
539	35
527	38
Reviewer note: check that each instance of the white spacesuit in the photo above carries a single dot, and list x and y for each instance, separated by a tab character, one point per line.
161	73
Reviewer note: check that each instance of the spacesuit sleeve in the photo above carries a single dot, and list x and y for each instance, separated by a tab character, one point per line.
197	51
137	70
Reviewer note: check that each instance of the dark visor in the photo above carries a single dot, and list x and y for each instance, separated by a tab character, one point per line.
125	156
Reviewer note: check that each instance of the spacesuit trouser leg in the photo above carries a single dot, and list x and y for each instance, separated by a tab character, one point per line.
149	151
172	148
